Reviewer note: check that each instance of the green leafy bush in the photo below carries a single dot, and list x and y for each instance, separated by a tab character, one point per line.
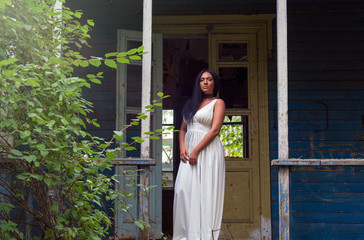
52	183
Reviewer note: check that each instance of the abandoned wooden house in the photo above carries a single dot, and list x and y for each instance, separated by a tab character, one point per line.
270	55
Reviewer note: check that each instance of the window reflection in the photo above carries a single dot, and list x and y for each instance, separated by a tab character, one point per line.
233	52
134	44
234	86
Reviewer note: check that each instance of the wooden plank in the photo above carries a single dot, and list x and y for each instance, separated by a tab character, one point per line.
342	162
295	162
333	217
339	186
326	207
340	197
320	133
324	145
336	106
325	36
284	204
324	74
134	161
329	228
330	65
331	174
143	234
146	72
143	205
282	75
324	234
263	54
318	162
282	88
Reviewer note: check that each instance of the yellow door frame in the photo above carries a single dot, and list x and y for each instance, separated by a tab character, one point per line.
261	25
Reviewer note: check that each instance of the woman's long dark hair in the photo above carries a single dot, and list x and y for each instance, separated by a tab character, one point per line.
192	105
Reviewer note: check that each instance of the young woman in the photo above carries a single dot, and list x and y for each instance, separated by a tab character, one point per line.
200	182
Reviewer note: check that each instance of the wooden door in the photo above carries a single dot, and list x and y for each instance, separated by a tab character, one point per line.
128	105
234	57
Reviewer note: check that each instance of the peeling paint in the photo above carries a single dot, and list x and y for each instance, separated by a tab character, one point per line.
266	228
255	234
284	213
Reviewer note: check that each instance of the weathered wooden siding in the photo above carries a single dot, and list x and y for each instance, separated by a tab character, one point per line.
325	86
326	114
326	203
109	16
326	102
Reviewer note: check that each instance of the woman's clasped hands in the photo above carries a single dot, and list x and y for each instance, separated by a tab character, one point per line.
186	157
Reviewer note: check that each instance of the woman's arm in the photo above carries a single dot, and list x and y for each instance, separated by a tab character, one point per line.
217	121
182	147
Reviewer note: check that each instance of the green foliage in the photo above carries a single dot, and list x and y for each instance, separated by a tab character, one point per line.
52	169
231	136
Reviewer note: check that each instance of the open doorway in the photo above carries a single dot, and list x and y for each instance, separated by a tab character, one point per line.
183	58
236	47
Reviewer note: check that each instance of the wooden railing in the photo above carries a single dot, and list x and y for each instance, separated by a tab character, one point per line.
284	166
143	166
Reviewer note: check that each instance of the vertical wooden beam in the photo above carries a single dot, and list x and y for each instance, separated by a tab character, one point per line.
146	72
144	175
284	207
282	79
144	180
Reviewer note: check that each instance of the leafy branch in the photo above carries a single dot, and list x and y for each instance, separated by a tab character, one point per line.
118	135
53	179
111	59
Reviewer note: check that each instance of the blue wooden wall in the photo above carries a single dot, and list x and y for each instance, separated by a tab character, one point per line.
326	100
326	118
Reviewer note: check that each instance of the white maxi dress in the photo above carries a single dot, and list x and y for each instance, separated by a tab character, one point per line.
199	189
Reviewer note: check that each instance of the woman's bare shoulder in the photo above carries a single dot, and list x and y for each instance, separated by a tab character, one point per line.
220	102
219	105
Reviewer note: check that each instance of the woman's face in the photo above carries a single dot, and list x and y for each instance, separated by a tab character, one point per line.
207	83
